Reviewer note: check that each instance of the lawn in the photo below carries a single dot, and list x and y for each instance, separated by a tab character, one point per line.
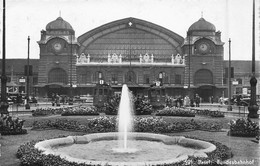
242	148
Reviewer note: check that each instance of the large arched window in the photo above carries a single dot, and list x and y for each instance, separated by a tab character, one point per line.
97	76
57	75
163	77
203	76
130	77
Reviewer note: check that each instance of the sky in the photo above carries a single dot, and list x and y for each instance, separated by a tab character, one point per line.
232	17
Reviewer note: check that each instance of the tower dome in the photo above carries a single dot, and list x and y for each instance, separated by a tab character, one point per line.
202	25
59	24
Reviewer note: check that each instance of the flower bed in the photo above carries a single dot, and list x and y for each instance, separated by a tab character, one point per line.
46	111
141	124
174	111
81	110
207	112
30	156
111	106
11	126
141	106
243	128
62	124
103	124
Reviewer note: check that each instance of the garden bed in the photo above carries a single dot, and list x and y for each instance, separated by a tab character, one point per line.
243	128
11	126
175	111
80	111
141	124
209	113
47	111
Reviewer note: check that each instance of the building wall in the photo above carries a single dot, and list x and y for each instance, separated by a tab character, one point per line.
85	75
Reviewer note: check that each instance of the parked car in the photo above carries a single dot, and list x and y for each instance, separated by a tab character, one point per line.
86	98
244	100
32	99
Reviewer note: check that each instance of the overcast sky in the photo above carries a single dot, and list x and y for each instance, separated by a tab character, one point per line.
28	17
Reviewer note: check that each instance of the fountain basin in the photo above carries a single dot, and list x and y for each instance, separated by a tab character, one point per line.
98	149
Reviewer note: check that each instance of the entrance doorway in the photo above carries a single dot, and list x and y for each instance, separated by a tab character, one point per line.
205	92
56	89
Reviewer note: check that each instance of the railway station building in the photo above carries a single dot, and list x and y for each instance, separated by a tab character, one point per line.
134	52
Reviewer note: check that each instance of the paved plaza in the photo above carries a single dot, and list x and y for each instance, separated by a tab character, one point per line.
237	111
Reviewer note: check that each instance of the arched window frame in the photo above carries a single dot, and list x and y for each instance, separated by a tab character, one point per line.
57	75
130	77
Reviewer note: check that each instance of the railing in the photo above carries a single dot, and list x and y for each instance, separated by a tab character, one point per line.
114	59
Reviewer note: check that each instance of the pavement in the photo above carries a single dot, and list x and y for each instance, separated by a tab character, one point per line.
236	110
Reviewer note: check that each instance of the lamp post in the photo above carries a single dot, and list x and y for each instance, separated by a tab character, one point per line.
253	107
189	52
27	105
229	108
70	89
4	104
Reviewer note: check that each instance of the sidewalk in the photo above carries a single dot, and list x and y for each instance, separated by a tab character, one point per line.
224	108
21	109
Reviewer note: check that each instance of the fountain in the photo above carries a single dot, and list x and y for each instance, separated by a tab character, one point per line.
125	147
125	121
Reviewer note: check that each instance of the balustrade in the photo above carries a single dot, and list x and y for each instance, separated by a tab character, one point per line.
143	59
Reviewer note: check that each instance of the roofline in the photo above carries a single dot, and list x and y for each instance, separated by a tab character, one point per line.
126	20
173	38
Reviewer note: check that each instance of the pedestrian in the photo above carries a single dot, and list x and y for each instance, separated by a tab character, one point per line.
221	100
239	99
53	98
197	100
186	101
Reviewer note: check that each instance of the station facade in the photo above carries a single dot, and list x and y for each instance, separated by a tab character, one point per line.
133	52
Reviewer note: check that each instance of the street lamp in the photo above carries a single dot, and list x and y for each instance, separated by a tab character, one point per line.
253	107
4	104
27	105
189	52
229	108
70	89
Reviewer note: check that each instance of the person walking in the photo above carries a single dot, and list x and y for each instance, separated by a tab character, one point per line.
186	101
197	100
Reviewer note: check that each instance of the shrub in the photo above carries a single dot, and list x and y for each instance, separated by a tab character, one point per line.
150	124
243	128
207	112
47	111
141	124
81	110
102	124
62	124
11	126
111	106
174	111
142	106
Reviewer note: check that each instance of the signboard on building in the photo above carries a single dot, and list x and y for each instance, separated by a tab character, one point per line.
235	82
244	91
21	80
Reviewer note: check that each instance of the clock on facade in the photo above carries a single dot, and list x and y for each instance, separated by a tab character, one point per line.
203	47
57	46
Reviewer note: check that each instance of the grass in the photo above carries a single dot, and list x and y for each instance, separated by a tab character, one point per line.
242	148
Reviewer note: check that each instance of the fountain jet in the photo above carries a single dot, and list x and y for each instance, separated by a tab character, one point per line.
125	119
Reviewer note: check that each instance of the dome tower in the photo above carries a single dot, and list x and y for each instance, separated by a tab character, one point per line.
58	47
59	25
202	27
204	56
